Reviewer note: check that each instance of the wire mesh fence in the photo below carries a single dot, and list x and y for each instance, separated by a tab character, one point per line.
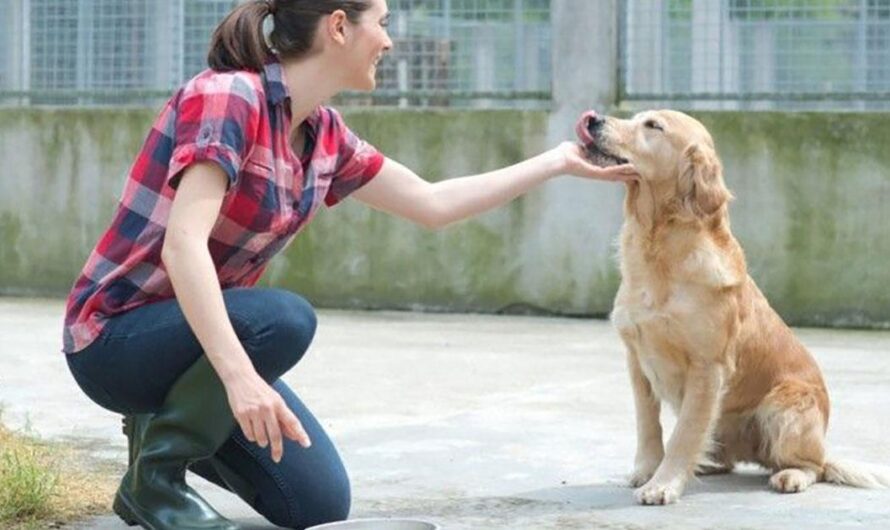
757	54
481	52
725	54
93	52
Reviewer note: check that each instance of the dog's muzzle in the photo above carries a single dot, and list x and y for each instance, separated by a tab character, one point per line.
589	130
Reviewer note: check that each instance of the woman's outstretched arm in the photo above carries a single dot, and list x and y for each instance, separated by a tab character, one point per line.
399	191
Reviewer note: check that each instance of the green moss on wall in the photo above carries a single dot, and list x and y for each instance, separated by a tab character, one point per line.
812	212
823	199
61	177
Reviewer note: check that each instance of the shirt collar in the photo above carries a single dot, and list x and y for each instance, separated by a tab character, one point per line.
276	86
277	92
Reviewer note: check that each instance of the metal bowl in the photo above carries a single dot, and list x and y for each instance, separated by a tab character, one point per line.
378	524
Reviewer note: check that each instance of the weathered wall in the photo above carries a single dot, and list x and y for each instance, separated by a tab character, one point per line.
812	212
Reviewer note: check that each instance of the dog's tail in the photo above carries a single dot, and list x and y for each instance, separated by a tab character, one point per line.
855	474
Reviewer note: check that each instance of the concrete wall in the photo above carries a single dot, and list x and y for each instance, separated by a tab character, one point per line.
812	212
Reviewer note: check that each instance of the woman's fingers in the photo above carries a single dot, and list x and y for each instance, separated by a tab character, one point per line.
627	169
265	418
581	166
259	430
247	428
623	172
274	432
292	427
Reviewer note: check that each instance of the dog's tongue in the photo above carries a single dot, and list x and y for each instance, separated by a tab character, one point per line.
581	129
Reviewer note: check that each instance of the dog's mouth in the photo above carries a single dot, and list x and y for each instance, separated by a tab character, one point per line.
590	132
600	157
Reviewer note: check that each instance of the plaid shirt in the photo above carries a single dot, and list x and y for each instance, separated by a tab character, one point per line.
240	120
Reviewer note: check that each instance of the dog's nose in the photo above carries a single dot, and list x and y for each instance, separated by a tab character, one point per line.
595	122
588	126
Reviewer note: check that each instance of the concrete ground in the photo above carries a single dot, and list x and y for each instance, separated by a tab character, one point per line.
480	422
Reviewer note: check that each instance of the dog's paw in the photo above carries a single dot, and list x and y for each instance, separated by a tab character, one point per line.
790	481
657	493
641	475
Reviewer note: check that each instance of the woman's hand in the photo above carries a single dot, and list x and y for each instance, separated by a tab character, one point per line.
574	161
263	415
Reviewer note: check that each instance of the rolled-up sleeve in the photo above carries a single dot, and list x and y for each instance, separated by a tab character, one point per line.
216	121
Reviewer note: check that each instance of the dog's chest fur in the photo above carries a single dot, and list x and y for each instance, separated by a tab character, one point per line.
659	307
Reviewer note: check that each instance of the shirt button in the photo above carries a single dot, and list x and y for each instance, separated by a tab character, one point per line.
205	133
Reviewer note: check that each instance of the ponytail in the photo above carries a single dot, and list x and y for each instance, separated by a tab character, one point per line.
238	43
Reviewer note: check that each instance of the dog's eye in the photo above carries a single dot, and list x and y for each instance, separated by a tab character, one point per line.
652	124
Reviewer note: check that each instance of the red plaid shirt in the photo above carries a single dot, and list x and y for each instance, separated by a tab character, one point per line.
241	121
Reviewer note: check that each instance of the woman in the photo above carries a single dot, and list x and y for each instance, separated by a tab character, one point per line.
164	325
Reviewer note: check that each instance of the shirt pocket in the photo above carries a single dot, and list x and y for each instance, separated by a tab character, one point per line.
258	169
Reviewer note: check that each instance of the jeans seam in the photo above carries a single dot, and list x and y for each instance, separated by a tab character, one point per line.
277	477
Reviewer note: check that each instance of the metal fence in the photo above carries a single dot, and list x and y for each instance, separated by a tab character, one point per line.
724	54
94	52
86	52
756	54
482	52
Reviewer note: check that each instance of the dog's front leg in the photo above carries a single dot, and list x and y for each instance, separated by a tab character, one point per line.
698	414
650	446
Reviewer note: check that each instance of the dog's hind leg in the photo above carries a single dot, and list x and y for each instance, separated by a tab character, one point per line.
793	480
792	428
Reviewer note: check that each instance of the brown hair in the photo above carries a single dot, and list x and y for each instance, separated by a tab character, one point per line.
238	43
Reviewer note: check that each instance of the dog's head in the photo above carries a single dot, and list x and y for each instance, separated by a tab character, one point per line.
669	149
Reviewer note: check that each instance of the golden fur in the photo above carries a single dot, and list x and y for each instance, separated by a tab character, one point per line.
700	335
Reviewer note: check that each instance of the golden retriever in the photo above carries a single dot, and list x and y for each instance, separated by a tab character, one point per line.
700	335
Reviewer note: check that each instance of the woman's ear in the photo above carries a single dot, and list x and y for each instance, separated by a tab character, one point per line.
337	27
700	184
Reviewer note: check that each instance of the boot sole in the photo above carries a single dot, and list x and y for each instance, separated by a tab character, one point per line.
129	514
123	510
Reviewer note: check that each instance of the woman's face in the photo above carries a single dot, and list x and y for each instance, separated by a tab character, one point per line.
369	42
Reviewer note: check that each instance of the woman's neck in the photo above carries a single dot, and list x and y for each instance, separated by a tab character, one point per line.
309	83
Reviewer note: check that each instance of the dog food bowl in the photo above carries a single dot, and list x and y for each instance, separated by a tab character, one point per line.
378	524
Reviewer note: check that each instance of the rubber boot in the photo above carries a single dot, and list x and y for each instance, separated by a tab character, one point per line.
193	422
212	469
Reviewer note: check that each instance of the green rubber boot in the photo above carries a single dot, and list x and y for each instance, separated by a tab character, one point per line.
194	421
134	427
212	469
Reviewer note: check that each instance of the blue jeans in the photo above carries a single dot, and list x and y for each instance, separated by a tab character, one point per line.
141	353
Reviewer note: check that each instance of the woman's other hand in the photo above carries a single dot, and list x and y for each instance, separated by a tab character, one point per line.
263	415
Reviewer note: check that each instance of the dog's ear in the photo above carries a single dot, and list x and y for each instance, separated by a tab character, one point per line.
700	185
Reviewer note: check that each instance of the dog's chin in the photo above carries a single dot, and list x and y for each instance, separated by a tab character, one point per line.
602	158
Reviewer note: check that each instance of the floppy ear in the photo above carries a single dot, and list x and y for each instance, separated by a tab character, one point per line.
700	185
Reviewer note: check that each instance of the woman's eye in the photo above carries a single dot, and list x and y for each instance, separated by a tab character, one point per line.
652	124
